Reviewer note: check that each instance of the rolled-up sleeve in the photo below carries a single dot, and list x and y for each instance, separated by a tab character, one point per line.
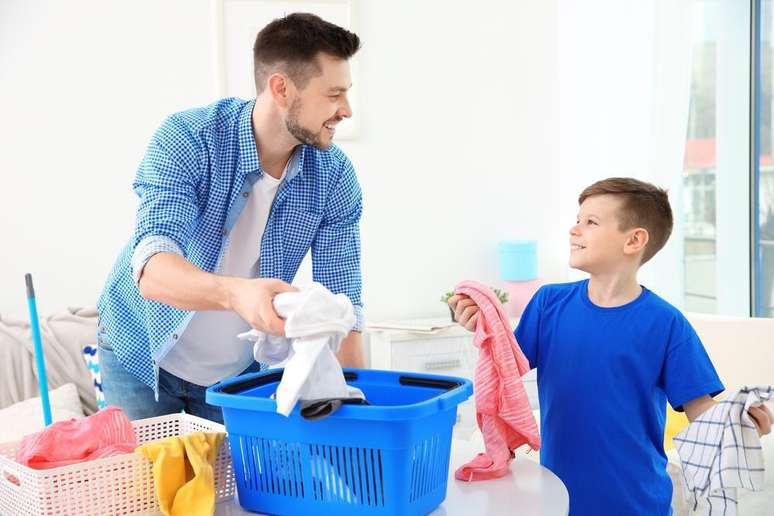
146	248
336	247
166	186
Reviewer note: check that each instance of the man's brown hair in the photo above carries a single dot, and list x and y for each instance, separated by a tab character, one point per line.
644	206
291	44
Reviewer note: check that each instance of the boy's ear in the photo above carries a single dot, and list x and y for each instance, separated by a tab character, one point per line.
637	240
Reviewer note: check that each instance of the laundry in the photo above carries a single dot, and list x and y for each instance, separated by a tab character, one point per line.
103	434
318	409
316	321
183	474
720	452
502	407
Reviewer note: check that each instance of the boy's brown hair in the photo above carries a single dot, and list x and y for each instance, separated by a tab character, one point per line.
644	206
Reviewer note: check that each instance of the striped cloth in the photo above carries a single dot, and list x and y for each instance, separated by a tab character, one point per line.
721	452
502	408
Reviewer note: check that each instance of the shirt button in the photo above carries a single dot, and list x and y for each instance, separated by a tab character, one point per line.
174	336
245	194
223	232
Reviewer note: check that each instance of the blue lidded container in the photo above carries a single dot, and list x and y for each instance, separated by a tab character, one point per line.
518	260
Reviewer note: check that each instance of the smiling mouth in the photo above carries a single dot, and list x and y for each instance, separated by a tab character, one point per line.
331	126
576	247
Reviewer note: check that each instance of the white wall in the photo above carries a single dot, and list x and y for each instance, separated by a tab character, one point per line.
83	85
457	146
623	79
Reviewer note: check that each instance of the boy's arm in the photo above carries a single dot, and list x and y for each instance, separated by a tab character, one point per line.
697	407
761	415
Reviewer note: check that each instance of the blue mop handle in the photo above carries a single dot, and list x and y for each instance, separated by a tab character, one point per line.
39	361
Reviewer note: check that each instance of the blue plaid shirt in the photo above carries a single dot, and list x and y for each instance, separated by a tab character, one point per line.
193	183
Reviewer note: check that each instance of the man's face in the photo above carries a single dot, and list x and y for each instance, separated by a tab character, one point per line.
322	104
596	242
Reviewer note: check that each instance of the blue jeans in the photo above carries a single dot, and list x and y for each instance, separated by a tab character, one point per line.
121	388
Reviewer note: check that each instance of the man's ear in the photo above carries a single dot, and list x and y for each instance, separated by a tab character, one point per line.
281	89
637	240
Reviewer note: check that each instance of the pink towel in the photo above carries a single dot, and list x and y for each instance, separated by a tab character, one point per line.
502	408
106	433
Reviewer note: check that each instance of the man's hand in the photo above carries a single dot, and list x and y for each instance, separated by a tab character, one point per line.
466	312
253	300
171	279
763	419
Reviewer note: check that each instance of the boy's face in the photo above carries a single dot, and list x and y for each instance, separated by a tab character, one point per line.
321	104
597	245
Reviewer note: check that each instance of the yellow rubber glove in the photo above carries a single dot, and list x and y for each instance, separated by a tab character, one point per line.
182	472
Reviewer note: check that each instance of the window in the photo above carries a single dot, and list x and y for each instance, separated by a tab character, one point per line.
717	179
763	163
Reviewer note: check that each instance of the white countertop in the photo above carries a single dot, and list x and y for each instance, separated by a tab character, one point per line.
530	488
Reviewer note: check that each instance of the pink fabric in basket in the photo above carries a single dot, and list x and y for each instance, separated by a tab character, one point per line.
104	434
502	408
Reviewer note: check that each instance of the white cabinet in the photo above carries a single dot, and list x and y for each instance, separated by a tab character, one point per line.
447	352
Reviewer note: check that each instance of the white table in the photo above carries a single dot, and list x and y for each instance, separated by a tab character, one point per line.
530	490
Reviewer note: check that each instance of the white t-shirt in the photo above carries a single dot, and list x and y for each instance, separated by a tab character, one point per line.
208	351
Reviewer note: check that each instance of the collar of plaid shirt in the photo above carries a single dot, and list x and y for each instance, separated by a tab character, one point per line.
247	160
193	183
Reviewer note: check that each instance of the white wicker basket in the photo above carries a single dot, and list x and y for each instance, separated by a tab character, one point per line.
116	485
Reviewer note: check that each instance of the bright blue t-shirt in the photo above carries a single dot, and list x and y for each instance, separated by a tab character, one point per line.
604	377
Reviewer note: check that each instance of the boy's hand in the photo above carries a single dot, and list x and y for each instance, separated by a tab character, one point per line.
762	417
465	311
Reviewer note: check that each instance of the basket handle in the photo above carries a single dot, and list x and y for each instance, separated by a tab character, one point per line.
253	380
435	383
448	399
8	475
257	379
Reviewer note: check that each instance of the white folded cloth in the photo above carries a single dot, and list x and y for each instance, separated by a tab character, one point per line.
316	321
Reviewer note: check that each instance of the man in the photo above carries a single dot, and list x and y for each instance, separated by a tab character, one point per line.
232	196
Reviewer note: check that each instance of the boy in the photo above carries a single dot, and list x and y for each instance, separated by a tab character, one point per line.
609	353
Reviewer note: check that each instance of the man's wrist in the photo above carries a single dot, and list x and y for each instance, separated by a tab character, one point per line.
226	287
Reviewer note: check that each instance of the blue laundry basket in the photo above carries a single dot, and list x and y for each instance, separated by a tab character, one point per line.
389	457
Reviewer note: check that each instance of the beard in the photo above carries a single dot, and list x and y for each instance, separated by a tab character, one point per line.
301	133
